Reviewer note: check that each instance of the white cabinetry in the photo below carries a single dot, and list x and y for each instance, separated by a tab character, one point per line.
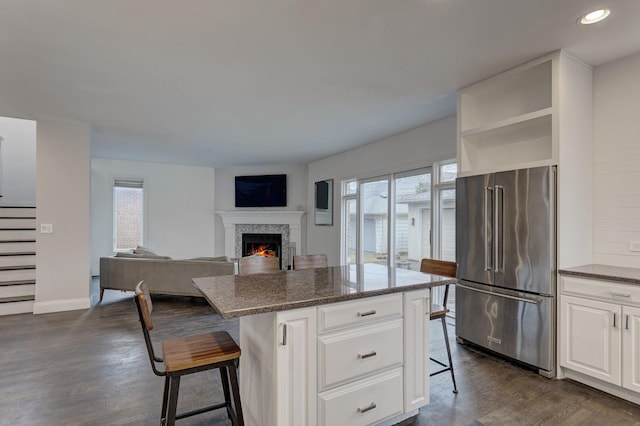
591	342
600	335
537	114
295	367
360	359
506	121
416	349
631	348
278	368
358	362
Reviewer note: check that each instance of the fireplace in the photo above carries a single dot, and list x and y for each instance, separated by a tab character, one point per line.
269	245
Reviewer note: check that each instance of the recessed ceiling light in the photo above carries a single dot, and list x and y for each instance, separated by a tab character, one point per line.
593	17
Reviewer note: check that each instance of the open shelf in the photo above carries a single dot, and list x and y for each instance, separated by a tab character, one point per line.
507	145
515	93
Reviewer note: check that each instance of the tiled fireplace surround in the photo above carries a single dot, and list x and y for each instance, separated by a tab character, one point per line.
287	223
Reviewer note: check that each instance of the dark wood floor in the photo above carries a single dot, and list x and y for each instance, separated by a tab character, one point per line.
91	368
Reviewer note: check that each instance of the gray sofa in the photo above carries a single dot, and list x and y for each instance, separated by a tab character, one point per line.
162	275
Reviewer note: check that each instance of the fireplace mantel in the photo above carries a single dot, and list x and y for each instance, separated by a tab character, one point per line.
295	219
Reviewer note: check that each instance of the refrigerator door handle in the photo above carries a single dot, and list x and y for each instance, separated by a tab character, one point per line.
498	221
506	296
488	203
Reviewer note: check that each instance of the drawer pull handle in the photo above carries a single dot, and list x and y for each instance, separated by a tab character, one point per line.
614	294
366	314
614	319
284	334
369	408
626	322
369	355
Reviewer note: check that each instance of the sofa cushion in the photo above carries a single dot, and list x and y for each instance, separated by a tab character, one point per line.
140	256
213	259
144	250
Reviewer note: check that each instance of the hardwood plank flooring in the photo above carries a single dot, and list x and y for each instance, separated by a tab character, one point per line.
91	368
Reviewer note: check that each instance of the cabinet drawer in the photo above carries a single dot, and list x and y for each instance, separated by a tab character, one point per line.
605	290
344	314
346	355
364	402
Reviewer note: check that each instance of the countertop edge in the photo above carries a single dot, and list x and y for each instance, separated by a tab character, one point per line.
619	277
326	300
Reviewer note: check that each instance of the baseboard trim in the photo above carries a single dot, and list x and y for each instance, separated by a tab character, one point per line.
61	305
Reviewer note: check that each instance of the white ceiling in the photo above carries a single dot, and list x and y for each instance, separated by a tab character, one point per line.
242	82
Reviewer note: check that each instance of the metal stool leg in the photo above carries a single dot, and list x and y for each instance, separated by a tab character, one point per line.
174	385
446	341
224	378
165	398
236	392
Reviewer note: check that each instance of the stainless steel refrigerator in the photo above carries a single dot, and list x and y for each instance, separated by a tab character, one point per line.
506	254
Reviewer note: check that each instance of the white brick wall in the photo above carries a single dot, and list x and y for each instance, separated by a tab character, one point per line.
616	192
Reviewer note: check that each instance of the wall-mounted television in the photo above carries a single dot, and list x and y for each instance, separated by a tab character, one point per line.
261	191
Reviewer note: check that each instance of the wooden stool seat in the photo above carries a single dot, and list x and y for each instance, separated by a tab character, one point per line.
438	311
196	351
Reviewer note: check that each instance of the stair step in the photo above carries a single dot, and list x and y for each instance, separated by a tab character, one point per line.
17	211
17	259
17	282
24	292
17	222
17	267
12	234
17	274
16	299
12	308
17	247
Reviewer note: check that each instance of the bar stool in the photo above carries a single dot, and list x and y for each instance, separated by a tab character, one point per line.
447	269
310	261
258	265
188	355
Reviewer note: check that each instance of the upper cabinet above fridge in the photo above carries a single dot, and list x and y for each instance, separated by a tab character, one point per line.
512	120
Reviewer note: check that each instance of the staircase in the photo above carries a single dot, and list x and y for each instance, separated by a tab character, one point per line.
17	259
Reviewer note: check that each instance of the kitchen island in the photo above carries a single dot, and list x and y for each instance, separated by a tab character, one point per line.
328	346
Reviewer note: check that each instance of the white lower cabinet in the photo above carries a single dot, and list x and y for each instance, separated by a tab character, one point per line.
631	348
363	402
591	342
360	362
600	334
296	367
278	368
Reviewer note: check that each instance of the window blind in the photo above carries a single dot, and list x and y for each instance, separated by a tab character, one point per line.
128	182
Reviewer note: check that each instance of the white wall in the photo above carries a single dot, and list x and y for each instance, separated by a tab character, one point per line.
616	194
179	205
409	150
63	194
18	162
225	191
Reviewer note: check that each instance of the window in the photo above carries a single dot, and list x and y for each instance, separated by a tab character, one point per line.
395	220
374	221
444	221
128	202
412	218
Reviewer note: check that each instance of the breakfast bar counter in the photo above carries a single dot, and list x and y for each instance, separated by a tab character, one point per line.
239	295
327	346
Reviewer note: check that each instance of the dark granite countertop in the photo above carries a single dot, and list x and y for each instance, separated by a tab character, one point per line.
238	295
605	272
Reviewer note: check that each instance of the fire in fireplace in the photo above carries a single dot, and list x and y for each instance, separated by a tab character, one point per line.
269	245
